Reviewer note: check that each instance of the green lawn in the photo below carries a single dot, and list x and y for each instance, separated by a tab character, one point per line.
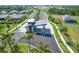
23	48
3	27
77	19
74	33
71	36
77	24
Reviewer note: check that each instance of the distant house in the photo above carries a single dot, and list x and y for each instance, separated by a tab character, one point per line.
13	12
3	12
23	12
69	19
16	16
3	17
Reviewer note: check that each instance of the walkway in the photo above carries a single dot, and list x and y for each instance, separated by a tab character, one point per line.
63	40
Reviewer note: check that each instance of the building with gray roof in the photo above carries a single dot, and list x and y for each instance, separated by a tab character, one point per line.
13	12
16	16
3	17
69	19
3	12
35	24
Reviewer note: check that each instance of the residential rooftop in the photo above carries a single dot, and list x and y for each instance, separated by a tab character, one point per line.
3	16
16	16
40	22
31	20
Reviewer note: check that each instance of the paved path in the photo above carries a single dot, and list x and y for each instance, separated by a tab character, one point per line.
47	40
63	40
71	25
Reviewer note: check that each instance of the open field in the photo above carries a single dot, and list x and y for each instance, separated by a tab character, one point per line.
23	48
74	34
3	27
77	19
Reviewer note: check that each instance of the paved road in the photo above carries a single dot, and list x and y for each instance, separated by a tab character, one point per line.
53	43
47	40
71	25
63	40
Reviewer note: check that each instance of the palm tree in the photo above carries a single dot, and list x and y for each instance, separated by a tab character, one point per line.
9	40
6	40
4	43
16	48
8	28
77	47
42	49
10	43
2	48
29	36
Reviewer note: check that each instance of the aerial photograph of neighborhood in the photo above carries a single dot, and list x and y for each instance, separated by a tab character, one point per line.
39	29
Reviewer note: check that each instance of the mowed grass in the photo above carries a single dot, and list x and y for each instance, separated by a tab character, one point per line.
3	27
77	19
74	34
23	48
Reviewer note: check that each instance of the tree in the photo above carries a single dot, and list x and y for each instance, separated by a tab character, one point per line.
8	28
2	48
11	43
78	47
29	36
7	41
16	48
64	29
42	48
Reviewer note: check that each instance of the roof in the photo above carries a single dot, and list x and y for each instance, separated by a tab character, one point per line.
3	16
3	12
67	17
13	11
23	11
16	16
31	20
40	22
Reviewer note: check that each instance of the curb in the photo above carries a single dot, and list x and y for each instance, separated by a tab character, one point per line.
57	42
